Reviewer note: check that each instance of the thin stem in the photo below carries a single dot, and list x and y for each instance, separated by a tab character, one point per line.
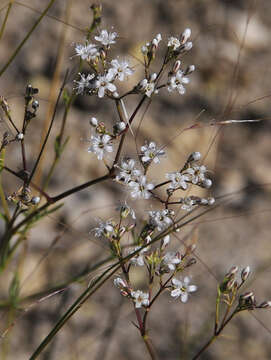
217	311
2	194
209	342
76	306
5	19
81	187
149	346
126	129
49	129
23	155
215	336
13	56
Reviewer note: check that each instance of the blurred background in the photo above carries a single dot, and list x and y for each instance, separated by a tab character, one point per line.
231	53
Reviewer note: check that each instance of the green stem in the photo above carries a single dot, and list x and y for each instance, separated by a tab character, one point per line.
5	19
76	306
215	336
13	56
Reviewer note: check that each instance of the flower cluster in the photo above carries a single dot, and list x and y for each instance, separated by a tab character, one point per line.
143	245
101	80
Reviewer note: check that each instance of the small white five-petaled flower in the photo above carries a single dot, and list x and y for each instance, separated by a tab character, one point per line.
174	43
83	83
151	153
178	180
176	82
86	52
120	69
148	86
100	144
106	38
140	188
160	219
127	171
104	83
104	228
182	288
171	260
140	298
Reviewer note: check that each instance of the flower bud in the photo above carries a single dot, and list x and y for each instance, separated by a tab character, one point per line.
19	136
230	284
176	66
191	262
248	295
211	201
195	156
188	46
130	227
118	282
185	35
122	230
265	305
153	77
190	69
165	241
233	270
93	122
207	183
245	273
35	200
35	104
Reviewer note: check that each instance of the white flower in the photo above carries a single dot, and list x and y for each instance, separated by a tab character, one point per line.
151	153
104	228
103	83
120	69
171	259
94	122
100	144
83	83
118	282
140	188
86	52
140	298
176	82
148	86
106	38
187	204
138	259
156	40
127	171
174	43
185	35
177	180
126	210
197	173
182	288
160	219
165	241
